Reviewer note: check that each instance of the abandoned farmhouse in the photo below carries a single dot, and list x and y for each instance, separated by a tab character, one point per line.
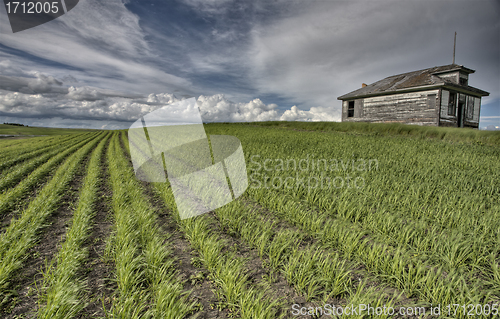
438	96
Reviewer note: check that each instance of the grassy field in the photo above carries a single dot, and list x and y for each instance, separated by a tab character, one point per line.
451	134
14	130
382	217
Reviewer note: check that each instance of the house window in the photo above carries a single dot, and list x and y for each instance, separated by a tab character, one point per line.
452	104
462	81
350	109
470	107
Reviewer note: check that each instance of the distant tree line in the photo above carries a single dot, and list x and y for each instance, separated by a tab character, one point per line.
16	124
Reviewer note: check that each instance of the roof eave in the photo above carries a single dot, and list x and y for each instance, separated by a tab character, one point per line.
412	89
457	68
470	90
418	88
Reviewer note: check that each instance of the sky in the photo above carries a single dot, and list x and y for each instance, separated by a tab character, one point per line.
104	64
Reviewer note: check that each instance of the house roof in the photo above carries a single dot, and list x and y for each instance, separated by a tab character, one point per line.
413	81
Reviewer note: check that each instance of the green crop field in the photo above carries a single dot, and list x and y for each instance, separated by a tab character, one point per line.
342	217
15	130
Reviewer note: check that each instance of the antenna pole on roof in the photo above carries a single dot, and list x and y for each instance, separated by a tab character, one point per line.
454	46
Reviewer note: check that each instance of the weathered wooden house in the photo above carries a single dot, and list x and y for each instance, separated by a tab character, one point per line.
438	96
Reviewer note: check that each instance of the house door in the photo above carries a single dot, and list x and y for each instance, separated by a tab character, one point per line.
460	110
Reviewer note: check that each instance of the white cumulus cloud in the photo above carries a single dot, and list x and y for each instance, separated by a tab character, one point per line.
217	108
38	97
84	93
315	114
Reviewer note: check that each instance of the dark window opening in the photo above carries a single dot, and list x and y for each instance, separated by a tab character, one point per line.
452	104
461	109
462	81
350	109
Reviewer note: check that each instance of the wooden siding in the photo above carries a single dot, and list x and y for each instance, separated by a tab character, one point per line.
419	108
453	76
477	108
438	107
344	110
358	108
464	76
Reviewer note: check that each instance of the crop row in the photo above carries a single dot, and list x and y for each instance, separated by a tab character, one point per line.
413	200
228	271
451	186
62	291
144	265
418	187
314	272
17	172
396	265
22	156
9	197
409	219
33	144
476	229
311	270
11	147
23	231
472	255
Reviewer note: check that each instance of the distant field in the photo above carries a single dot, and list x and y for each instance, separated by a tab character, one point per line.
387	129
23	130
380	215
